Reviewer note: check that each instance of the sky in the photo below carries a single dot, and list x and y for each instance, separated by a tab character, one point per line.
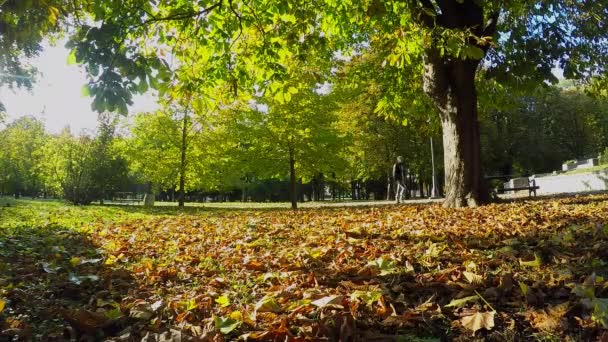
56	95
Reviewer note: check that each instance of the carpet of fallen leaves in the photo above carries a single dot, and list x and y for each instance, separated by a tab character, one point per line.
525	270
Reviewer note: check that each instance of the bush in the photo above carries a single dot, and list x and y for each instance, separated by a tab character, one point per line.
604	157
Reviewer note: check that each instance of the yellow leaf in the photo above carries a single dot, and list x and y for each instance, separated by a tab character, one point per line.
2	305
533	263
223	301
268	304
75	261
53	14
237	316
479	320
472	277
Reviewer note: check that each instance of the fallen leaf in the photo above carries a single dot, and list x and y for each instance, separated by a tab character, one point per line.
225	324
549	319
328	301
461	301
537	262
473	278
479	320
268	304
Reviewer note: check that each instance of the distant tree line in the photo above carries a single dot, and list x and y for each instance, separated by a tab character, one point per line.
319	146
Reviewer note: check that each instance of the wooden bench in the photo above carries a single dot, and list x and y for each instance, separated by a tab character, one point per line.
532	187
127	200
126	197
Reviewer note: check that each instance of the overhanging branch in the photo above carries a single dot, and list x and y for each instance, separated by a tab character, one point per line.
491	25
184	15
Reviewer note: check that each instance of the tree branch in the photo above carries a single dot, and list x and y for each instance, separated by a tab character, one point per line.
238	16
427	14
491	24
184	15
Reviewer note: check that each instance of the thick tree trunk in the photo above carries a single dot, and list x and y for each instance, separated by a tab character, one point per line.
293	196
449	80
451	85
182	164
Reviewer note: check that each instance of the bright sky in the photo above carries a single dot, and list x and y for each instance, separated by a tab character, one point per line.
56	95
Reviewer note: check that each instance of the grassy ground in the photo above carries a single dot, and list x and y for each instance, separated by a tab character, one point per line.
598	168
523	270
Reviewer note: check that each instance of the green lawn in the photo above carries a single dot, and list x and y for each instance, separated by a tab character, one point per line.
591	169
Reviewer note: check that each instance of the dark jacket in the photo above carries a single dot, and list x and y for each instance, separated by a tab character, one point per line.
399	172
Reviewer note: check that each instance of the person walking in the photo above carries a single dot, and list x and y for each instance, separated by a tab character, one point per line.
399	177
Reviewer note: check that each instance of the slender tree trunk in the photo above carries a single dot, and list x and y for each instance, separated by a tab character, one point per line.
421	185
182	164
293	196
451	85
388	185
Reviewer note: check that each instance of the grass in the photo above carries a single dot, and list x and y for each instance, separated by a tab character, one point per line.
598	168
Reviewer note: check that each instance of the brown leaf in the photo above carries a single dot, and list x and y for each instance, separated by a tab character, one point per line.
550	319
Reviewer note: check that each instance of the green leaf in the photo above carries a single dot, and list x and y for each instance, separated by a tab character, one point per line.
524	288
461	301
600	311
85	91
225	324
386	266
72	58
537	262
369	297
114	313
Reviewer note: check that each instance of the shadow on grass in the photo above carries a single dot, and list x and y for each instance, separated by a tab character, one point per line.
53	280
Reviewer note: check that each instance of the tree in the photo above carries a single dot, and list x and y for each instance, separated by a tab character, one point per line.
93	170
297	137
539	130
246	43
20	171
159	149
384	117
24	24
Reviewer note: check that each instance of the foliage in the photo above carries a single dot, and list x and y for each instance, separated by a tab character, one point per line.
250	273
20	156
537	132
604	157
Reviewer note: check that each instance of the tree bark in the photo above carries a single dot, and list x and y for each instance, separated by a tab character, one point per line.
451	85
388	185
182	164
292	180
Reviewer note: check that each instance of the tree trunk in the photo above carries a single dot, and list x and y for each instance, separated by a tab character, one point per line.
451	86
182	164
388	185
292	180
421	186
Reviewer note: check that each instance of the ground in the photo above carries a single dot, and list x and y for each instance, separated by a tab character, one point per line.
521	270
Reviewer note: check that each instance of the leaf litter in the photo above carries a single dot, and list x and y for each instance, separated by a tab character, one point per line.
518	270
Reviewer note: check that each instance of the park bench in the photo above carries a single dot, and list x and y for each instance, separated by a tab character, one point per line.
126	197
532	187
